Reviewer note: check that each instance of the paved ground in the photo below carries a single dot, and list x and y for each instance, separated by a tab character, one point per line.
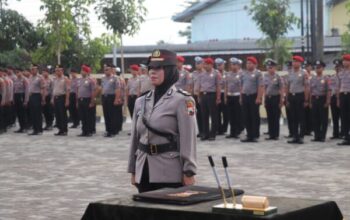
49	177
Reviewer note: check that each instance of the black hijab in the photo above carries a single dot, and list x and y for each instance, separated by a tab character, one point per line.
171	76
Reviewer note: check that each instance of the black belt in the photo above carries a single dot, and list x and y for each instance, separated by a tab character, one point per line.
58	96
208	93
296	93
154	149
345	93
318	96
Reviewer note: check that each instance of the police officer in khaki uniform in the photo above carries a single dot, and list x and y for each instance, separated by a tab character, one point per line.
222	107
251	98
163	141
73	110
133	88
196	74
320	98
344	98
48	110
209	98
60	100
111	100
335	110
86	101
2	100
36	100
297	99
21	97
145	80
274	91
232	96
184	78
308	128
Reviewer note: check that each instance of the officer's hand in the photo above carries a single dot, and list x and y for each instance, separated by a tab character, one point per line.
25	104
281	104
43	102
188	181
133	182
338	103
327	105
92	104
258	101
67	104
218	101
306	104
117	102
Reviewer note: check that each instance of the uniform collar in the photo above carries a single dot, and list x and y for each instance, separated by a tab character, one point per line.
170	93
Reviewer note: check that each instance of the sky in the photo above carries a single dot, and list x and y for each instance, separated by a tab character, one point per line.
158	25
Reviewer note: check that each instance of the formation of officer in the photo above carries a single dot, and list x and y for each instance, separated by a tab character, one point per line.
227	97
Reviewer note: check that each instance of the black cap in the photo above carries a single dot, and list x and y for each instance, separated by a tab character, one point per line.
19	69
271	62
320	63
162	58
289	63
308	63
74	70
111	65
34	65
338	62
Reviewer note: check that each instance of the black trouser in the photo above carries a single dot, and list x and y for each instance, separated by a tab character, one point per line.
251	115
209	110
289	122
20	110
345	112
110	112
319	116
35	109
48	111
273	115
223	117
61	113
86	115
308	128
7	115
119	110
73	111
198	115
335	110
235	115
2	117
145	185
297	118
131	104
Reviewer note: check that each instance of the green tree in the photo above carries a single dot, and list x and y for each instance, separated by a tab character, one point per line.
64	20
186	33
17	58
16	32
345	38
123	17
274	20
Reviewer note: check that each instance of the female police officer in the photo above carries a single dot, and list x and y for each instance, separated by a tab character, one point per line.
163	142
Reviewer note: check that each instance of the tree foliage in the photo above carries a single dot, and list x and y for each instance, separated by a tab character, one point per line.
274	20
16	32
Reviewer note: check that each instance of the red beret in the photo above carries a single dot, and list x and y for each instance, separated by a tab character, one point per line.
86	68
253	60
298	59
134	67
208	60
346	57
180	59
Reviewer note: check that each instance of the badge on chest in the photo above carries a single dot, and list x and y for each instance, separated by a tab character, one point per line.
190	107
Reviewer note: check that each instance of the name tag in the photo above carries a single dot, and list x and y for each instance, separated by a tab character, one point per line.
237	77
253	75
322	81
86	82
111	80
211	75
299	75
